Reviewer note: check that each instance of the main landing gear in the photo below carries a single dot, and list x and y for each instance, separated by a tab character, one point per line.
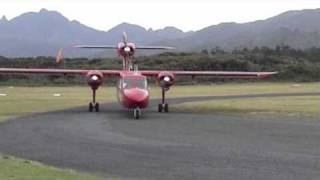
94	106
163	107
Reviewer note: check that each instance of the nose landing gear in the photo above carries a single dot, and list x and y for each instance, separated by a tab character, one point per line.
136	113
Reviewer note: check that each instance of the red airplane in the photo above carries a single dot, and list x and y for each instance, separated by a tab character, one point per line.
132	89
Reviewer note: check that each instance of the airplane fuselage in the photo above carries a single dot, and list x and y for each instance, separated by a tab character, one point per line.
132	90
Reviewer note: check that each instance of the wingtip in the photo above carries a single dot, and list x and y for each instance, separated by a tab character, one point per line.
267	74
167	48
76	46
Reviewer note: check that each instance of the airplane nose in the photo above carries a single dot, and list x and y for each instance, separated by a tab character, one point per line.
136	95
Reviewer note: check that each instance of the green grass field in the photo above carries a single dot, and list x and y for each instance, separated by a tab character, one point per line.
18	101
24	100
12	168
242	88
288	106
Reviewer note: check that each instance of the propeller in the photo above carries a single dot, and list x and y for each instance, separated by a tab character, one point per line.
126	48
125	38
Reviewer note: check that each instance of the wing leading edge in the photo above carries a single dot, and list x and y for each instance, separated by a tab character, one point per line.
234	74
55	71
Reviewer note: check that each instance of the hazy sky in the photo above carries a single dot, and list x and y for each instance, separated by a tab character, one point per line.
184	14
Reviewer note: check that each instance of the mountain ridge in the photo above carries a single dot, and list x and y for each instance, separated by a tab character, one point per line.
42	33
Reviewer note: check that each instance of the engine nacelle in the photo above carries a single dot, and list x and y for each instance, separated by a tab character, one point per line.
126	50
166	80
94	79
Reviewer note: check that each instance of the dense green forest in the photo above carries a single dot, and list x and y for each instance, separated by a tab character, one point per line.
292	65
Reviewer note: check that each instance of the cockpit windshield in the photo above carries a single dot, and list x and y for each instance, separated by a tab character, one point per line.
134	82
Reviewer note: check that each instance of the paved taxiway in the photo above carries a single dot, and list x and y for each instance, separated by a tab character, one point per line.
168	146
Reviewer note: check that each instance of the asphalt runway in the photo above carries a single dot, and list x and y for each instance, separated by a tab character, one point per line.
169	146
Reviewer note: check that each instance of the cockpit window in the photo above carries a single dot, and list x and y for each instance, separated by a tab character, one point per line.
127	83
132	82
141	83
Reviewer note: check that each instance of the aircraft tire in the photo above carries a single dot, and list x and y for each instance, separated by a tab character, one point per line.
90	107
97	107
136	113
166	108
160	108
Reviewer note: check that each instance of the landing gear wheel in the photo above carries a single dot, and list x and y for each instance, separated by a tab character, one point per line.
94	106
166	108
90	107
97	107
163	108
136	113
160	108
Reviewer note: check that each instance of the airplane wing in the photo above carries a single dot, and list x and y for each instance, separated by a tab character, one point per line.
56	71
234	74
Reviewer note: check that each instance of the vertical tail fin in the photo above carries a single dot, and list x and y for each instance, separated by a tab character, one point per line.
59	56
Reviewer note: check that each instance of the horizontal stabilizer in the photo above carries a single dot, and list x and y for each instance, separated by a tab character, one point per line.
96	46
154	47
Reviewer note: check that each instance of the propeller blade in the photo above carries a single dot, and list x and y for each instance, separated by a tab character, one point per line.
125	38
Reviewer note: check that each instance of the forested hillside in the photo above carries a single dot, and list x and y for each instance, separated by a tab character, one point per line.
292	65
